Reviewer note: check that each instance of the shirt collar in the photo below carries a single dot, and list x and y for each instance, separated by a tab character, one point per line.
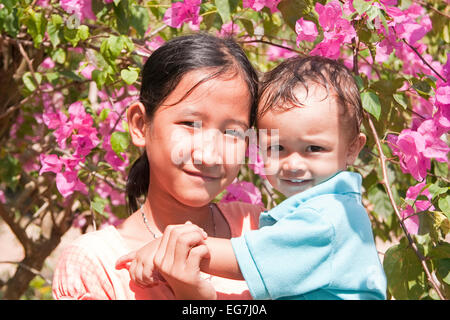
341	183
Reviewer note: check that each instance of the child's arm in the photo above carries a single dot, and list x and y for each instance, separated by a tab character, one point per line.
176	256
222	261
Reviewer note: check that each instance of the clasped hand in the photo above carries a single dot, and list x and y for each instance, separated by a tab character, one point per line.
174	258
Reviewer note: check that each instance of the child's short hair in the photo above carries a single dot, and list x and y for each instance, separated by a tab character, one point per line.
278	85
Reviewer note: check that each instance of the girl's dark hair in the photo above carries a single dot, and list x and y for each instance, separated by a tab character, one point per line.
163	71
277	88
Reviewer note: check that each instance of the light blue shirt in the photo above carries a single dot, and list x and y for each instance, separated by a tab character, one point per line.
317	244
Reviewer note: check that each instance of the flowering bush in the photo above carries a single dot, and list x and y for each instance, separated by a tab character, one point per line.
69	69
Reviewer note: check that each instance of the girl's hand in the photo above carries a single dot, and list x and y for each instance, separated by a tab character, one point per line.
140	265
178	259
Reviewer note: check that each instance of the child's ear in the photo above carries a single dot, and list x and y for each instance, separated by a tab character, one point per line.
136	123
355	148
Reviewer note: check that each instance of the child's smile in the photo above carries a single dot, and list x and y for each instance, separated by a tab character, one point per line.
312	143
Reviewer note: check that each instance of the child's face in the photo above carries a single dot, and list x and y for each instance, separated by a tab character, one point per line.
196	146
313	144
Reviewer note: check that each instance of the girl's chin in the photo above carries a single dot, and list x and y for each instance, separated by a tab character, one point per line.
196	200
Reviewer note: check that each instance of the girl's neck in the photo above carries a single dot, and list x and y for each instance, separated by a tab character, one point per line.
161	209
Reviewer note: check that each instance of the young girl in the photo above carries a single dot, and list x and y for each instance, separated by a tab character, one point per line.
318	243
198	96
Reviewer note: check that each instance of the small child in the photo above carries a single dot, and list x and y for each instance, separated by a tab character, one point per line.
318	243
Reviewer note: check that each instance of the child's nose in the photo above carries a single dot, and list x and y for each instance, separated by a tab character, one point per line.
294	163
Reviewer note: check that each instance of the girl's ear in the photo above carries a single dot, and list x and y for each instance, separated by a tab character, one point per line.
355	148
136	123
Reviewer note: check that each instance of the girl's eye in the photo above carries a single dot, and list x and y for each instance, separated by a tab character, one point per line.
193	124
275	147
235	133
314	149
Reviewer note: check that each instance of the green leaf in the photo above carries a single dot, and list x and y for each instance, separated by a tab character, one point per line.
119	142
10	22
99	77
361	6
380	200
444	205
98	204
140	19
223	7
36	26
405	276
248	26
72	36
104	114
422	87
123	15
359	82
83	32
371	103
129	76
400	98
30	82
443	270
293	10
54	30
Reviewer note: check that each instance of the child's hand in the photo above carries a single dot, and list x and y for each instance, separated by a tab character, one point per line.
178	259
140	265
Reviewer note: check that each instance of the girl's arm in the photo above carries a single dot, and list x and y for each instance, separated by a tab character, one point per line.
222	261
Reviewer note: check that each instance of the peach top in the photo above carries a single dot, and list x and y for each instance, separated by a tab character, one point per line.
86	268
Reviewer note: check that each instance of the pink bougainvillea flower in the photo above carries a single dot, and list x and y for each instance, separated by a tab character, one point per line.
228	29
43	3
81	8
446	68
435	148
389	2
183	12
258	5
330	48
86	70
48	63
443	94
243	191
255	160
272	5
54	120
78	116
329	14
83	145
50	163
409	213
408	146
306	30
411	31
67	183
2	197
275	53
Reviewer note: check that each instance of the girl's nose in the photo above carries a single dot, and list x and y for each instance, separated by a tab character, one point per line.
207	148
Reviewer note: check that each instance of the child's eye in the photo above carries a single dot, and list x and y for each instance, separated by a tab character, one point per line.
314	149
275	147
235	133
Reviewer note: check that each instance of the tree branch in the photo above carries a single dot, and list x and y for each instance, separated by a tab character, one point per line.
386	184
424	61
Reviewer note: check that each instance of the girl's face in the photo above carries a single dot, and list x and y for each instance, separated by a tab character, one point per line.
195	146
